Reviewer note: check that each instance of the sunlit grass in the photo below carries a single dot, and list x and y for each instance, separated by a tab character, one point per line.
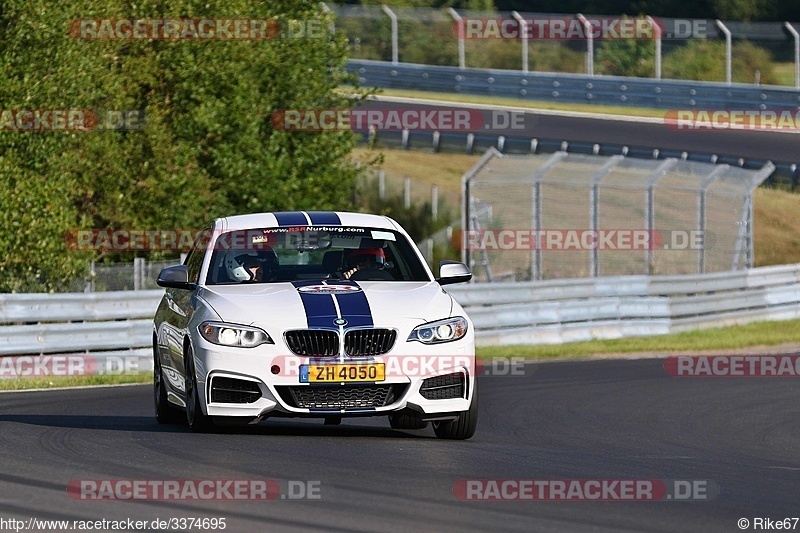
529	104
52	382
756	334
785	73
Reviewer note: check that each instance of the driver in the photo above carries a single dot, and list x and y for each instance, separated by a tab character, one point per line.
366	264
252	266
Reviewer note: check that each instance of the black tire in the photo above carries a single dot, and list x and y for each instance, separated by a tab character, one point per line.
406	420
462	427
165	413
198	422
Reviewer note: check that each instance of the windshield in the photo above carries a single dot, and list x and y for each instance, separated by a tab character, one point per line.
272	255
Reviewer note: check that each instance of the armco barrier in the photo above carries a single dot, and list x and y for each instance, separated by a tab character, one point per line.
558	311
575	88
113	329
119	324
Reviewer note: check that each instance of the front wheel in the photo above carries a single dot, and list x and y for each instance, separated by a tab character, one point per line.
462	427
198	422
406	420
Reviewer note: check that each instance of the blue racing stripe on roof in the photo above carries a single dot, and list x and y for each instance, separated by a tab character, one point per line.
319	308
327	218
291	218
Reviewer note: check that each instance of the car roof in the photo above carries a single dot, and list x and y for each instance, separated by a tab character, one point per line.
303	218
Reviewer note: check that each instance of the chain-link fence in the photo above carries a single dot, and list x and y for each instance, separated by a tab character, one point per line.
134	276
573	215
765	52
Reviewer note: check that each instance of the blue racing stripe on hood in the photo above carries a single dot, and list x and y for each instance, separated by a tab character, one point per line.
354	306
320	309
324	218
291	218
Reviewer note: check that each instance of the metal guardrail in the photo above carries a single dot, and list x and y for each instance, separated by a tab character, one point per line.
575	88
78	306
104	332
110	326
75	336
605	308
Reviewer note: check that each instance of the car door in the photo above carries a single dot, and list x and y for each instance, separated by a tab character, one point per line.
181	305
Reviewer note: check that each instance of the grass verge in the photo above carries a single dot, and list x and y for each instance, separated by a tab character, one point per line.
756	334
529	104
52	382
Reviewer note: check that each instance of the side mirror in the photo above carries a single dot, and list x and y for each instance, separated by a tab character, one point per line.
175	277
453	272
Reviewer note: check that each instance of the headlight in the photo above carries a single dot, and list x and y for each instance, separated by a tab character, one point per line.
233	335
447	330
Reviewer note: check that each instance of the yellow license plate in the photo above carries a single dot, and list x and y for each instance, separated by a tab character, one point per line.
342	373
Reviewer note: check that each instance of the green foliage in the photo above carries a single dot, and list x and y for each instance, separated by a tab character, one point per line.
627	57
747	58
554	56
207	146
741	9
705	61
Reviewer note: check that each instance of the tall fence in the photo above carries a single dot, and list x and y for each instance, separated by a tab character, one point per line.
574	43
572	215
140	275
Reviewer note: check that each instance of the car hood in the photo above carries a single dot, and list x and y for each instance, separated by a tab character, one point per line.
314	304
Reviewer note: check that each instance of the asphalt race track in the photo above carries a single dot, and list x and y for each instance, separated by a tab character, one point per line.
762	145
579	420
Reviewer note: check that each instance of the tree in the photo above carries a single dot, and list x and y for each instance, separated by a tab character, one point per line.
207	146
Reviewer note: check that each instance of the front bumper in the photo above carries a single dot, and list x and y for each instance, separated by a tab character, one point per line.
273	379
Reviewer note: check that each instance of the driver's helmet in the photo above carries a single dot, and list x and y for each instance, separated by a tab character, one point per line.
261	265
370	257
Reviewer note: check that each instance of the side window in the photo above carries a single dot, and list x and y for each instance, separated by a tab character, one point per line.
195	258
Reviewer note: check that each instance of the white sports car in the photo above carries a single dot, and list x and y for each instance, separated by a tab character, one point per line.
313	314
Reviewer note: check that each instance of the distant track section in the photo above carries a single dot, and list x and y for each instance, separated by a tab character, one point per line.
546	131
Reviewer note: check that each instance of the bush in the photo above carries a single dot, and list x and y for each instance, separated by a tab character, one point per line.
704	60
628	57
556	57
